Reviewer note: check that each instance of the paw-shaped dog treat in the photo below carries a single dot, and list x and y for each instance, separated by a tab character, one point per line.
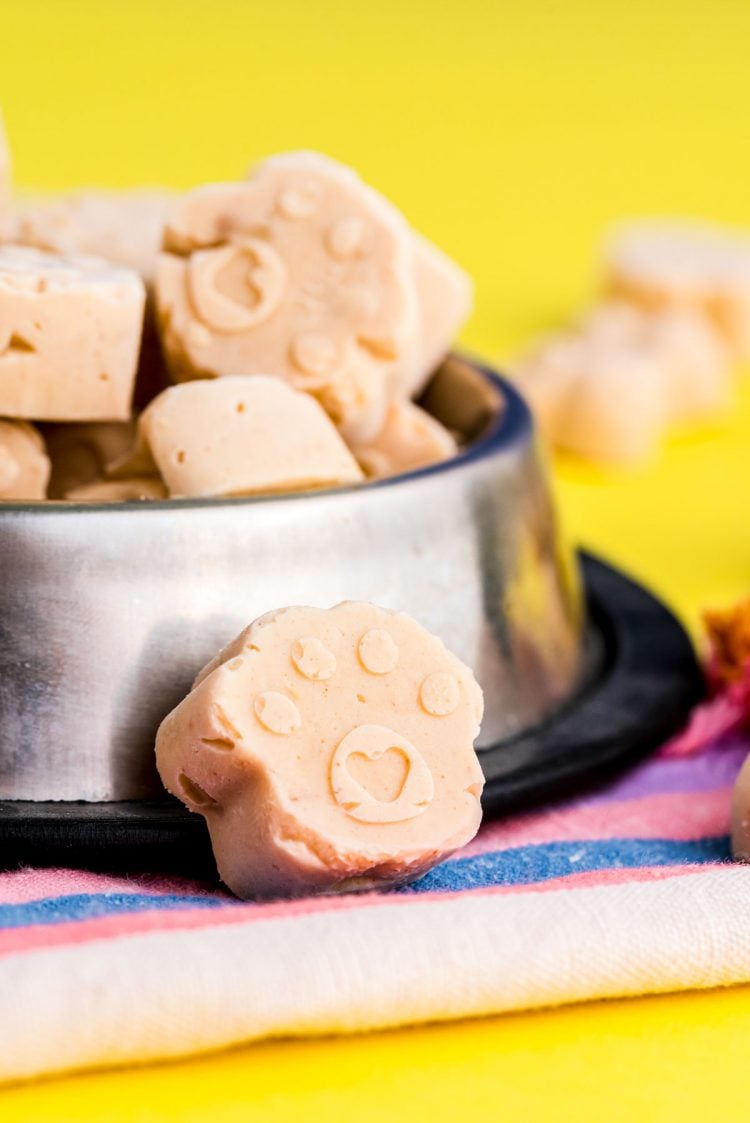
409	439
668	265
302	271
328	750
239	436
70	331
24	464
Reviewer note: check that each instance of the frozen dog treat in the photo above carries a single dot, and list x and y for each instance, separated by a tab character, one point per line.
124	227
70	332
691	353
410	438
243	436
672	265
106	491
328	750
445	294
598	398
616	410
80	453
24	464
302	271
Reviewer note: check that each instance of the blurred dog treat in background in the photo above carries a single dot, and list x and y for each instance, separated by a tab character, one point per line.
655	354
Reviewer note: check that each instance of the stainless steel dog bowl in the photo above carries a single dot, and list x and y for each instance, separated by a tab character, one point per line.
108	611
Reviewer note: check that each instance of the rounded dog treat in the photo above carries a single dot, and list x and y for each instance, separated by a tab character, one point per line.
112	491
328	750
445	294
243	436
70	330
302	271
409	439
80	453
707	269
599	398
693	357
24	464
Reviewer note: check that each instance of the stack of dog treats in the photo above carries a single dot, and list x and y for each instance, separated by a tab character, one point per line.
245	338
656	353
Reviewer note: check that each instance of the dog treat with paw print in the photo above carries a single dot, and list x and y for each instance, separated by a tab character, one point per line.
241	436
409	439
70	330
329	750
24	464
301	270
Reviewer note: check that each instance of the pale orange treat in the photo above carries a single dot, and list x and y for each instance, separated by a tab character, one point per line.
692	354
80	453
328	750
5	183
409	439
672	264
242	436
125	227
112	491
24	464
597	398
616	411
303	271
70	330
445	294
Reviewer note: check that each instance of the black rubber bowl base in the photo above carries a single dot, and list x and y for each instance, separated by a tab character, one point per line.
647	681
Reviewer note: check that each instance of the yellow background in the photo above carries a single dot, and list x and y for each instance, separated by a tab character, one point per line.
514	134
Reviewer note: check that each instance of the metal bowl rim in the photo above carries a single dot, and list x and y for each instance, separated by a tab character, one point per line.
510	425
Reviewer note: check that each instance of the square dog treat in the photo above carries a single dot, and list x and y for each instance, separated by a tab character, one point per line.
409	439
113	491
328	750
24	464
446	296
242	436
302	271
81	452
70	330
124	227
704	268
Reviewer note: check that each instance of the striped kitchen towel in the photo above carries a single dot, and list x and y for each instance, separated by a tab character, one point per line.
627	891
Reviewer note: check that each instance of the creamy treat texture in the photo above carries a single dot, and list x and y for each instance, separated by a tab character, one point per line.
410	438
303	271
242	436
659	265
328	750
24	464
70	331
